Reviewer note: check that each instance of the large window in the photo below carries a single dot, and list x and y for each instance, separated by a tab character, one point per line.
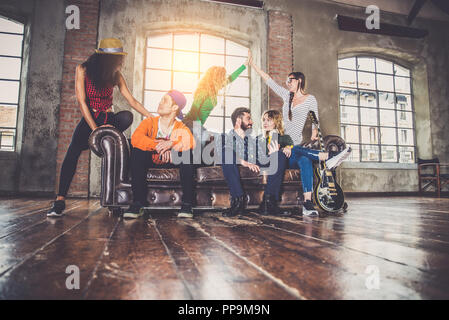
11	39
178	61
376	112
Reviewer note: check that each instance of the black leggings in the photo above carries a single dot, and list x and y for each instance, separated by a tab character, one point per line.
121	120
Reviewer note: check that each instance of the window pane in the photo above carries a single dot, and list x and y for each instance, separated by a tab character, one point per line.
228	124
209	60
212	44
159	58
388	136
384	66
389	154
9	91
233	103
402	84
239	87
387	118
214	124
11	45
185	82
368	99
219	109
368	116
186	61
349	115
348	63
236	49
7	137
8	116
406	154
161	41
158	80
233	63
369	135
370	153
406	137
10	26
405	119
404	102
10	68
151	100
347	78
366	64
384	83
348	97
367	80
386	100
354	156
350	133
187	41
400	71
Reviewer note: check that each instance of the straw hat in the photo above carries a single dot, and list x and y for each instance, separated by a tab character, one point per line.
110	46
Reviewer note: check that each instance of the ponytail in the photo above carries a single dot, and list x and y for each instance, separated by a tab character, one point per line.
290	115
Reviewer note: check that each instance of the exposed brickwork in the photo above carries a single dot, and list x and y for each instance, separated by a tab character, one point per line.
280	51
79	45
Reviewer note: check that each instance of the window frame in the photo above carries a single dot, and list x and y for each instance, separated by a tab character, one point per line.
19	80
198	72
378	109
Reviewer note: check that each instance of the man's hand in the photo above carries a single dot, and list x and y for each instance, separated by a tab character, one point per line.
253	167
166	156
163	146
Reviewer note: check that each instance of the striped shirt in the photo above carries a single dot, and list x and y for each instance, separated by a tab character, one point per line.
300	112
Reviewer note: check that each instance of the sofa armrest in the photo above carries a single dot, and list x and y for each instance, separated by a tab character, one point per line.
112	147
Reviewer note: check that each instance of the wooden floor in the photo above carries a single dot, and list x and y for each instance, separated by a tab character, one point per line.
382	248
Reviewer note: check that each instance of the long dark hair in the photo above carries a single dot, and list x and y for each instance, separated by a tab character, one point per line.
102	69
297	76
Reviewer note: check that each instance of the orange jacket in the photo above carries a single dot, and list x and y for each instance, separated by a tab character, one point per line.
144	138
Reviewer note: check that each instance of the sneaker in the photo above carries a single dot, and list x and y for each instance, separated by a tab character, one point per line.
308	209
186	211
336	159
134	211
57	209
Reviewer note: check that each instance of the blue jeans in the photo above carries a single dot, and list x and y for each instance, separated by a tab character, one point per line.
302	158
273	186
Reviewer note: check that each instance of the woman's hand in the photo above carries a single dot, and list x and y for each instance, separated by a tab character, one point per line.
166	156
287	151
105	125
273	147
253	167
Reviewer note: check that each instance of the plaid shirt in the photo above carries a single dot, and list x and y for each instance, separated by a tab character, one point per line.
98	100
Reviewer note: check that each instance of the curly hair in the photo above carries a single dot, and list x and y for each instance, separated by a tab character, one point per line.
212	81
276	116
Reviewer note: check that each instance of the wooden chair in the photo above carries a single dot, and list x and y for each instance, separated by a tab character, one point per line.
432	173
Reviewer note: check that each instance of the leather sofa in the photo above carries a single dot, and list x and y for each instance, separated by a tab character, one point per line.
164	190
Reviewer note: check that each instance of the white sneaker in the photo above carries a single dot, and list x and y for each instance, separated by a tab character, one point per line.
186	211
308	209
336	160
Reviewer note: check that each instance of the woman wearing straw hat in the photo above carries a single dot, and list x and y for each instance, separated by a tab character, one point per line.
94	86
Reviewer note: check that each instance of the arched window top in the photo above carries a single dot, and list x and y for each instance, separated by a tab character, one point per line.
177	60
11	26
373	64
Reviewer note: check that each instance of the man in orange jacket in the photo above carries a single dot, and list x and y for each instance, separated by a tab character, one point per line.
153	142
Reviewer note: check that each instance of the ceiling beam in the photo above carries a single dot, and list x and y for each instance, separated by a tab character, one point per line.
359	25
415	10
245	3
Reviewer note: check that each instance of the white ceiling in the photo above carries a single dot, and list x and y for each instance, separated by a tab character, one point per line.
400	6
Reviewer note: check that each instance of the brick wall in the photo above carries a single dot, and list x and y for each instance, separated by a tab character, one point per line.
79	45
280	51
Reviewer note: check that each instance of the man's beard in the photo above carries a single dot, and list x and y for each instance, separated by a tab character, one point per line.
246	126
